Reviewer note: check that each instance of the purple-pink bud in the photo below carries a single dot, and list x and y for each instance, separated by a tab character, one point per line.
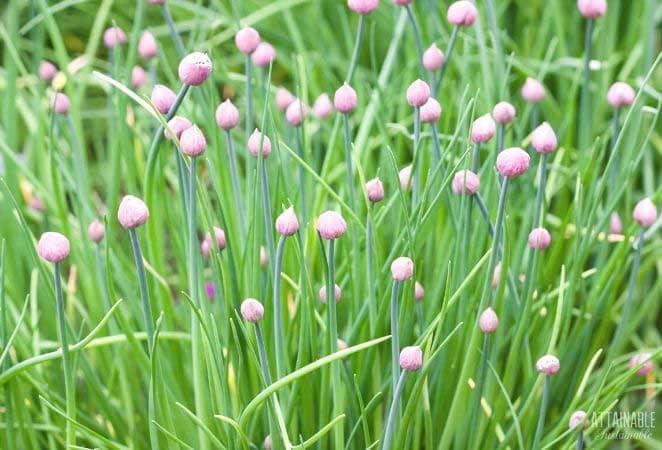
210	290
114	36
337	293
405	176
643	360
296	113
177	125
193	142
147	46
47	71
254	144
341	344
227	115
60	103
252	310
283	98
620	94
247	39
548	365
96	231
512	162
465	182
132	213
363	7
411	358
539	238
163	98
37	204
645	212
267	444
219	237
592	9
483	129
418	93
431	111
615	224
433	58
488	321
322	108
462	13
402	268
330	225
53	247
496	276
264	259
264	54
138	77
345	99
578	418
533	91
419	292
208	243
195	68
543	138
503	112
287	223
375	190
402	2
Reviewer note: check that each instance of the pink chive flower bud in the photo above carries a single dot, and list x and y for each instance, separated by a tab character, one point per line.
208	242
331	225
147	46
247	40
163	98
53	247
337	293
264	259
483	129
643	360
195	68
503	113
254	144
227	115
287	223
402	2
615	224
264	54
411	358
512	162
419	292
37	204
645	212
418	93
462	13
210	290
592	9
296	113
465	182
431	111
114	36
132	213
193	142
60	103
96	231
138	77
620	94
177	125
404	176
283	98
341	344
543	138
533	91
363	7
47	71
205	246
251	310
548	365
578	418
539	238
345	99
322	108
375	190
496	276
488	321
219	237
267	444
402	268
433	58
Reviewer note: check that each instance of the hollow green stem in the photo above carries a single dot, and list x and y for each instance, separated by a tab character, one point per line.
585	128
480	386
449	53
543	412
232	156
101	271
613	171
415	167
266	207
302	173
370	272
501	136
495	244
144	291
540	194
580	440
417	36
357	48
393	411
278	313
70	393
248	65
348	162
333	344
179	45
435	145
395	339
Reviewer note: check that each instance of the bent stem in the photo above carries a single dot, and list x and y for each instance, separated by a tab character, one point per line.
395	340
232	156
69	392
144	292
357	48
543	412
392	414
278	318
449	53
179	45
